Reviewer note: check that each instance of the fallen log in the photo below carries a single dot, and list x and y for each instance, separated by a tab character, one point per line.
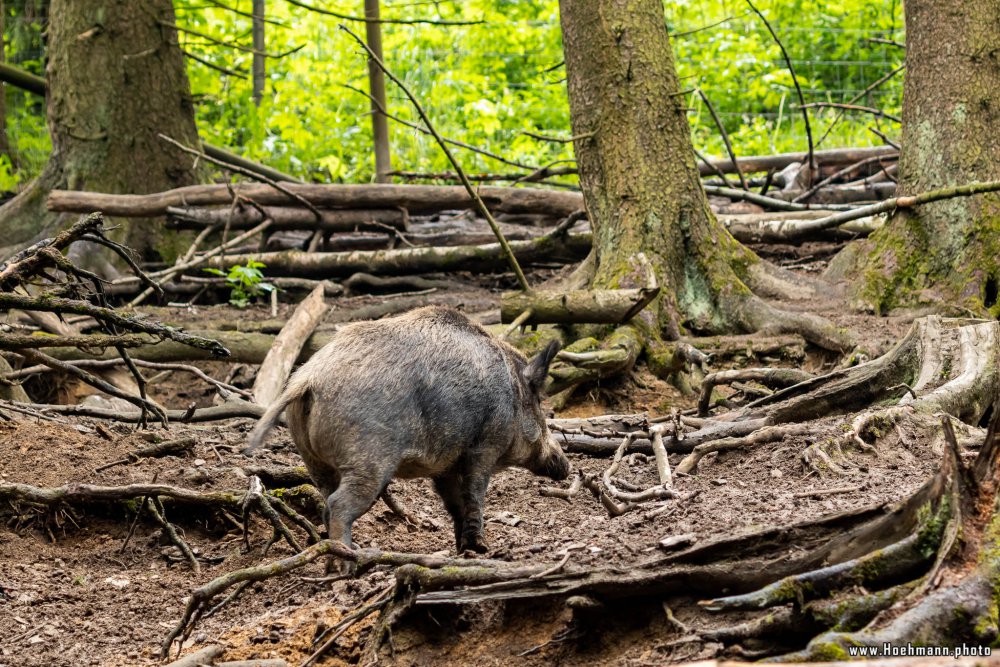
285	218
838	156
414	198
795	226
576	307
479	258
277	365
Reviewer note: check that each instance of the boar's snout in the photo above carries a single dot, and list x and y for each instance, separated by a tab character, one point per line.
553	462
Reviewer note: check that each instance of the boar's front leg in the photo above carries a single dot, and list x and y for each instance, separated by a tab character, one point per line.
477	469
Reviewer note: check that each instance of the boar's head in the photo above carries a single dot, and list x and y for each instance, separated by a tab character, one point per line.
535	448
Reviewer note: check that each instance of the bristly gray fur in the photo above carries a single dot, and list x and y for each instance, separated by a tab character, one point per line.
425	394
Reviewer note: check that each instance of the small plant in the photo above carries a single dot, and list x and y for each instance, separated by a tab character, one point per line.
247	282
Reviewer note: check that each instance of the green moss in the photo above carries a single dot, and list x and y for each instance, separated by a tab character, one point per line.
828	651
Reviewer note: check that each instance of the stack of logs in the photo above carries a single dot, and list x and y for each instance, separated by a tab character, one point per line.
313	231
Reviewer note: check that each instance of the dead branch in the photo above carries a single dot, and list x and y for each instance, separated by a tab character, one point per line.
413	198
277	365
725	138
770	377
574	307
228	410
111	316
480	205
30	260
481	258
173	447
144	404
284	218
810	160
762	436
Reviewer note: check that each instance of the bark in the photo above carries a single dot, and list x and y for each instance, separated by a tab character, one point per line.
414	198
580	306
837	156
285	218
116	78
946	252
277	365
402	261
638	173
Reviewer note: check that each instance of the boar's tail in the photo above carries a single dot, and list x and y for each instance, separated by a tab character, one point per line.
293	391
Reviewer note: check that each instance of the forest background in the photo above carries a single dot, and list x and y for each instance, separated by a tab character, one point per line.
487	83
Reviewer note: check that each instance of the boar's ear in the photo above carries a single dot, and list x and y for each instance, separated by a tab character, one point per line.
537	369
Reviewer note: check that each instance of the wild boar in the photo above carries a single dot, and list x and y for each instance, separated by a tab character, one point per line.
425	394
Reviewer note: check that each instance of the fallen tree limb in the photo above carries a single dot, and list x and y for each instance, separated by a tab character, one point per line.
482	258
890	206
287	347
62	305
787	227
838	156
414	198
575	307
229	410
770	377
285	218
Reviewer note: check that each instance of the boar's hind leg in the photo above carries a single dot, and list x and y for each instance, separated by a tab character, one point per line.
449	487
357	492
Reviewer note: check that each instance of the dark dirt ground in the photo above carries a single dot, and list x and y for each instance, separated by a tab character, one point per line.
72	592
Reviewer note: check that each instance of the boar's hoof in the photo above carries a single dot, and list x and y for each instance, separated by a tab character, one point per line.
335	566
473	543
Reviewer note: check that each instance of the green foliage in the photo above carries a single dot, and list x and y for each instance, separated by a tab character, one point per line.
247	282
487	83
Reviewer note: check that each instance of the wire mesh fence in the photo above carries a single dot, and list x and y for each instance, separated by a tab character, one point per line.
486	85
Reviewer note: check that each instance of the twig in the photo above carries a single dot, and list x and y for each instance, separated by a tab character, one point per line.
558	140
420	128
155	508
772	203
890	205
811	162
346	624
248	173
365	19
715	168
854	107
165	448
518	322
857	97
62	305
231	45
483	209
882	135
725	138
142	403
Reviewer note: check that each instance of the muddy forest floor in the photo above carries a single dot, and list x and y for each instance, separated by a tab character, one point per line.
75	589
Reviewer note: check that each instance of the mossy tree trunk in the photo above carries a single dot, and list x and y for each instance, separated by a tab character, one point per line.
641	185
116	78
637	165
949	251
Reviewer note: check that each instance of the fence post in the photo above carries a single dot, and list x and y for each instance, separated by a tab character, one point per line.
259	66
376	85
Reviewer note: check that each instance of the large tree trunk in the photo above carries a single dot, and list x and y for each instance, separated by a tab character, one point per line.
637	164
644	195
116	79
945	252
